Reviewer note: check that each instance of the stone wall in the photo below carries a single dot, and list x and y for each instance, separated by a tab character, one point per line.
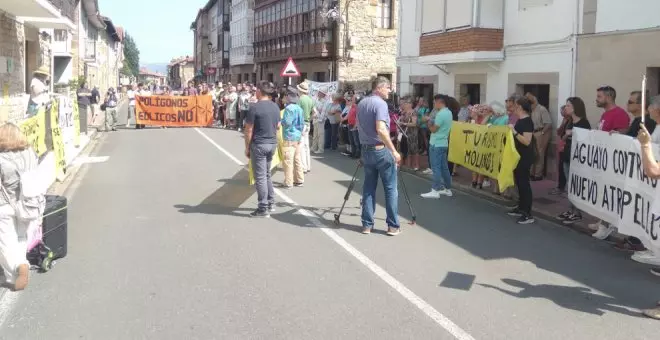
13	99
372	51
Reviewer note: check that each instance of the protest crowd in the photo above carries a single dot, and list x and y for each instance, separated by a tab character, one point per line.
501	144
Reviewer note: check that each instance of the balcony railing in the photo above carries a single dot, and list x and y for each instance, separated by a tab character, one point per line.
66	7
90	50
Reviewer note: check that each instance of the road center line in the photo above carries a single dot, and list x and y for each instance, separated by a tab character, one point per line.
409	295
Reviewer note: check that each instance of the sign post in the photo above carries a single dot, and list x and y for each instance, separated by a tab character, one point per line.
290	70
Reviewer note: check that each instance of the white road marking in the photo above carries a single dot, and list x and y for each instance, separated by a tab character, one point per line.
409	295
236	160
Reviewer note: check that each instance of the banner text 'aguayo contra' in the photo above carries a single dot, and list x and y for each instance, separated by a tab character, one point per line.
174	111
607	180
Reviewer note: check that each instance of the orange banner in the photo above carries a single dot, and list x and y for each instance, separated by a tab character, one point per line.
174	110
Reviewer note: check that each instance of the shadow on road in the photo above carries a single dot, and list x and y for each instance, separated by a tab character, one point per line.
487	232
579	299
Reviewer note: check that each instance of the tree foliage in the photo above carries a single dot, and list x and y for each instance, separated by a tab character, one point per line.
131	57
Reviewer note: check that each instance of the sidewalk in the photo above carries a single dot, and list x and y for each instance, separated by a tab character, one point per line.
545	205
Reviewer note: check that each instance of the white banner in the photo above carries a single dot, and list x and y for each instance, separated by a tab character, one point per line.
314	86
607	180
65	111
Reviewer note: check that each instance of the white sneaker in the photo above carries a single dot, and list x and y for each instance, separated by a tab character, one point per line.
427	172
595	226
642	255
431	194
446	192
646	257
486	183
603	232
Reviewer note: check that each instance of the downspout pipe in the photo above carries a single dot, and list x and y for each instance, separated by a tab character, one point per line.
476	13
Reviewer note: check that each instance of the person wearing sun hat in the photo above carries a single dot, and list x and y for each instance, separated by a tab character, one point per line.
320	115
307	104
38	89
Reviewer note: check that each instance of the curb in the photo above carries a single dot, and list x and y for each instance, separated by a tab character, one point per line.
538	213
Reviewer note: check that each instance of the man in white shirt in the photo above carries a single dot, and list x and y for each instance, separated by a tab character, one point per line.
131	104
38	90
141	92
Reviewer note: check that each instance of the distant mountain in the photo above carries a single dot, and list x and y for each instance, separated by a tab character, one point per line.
156	67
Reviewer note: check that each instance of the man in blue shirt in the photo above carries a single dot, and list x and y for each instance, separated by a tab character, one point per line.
293	124
440	128
379	156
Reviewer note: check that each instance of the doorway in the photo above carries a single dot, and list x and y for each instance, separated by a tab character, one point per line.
540	91
473	92
425	91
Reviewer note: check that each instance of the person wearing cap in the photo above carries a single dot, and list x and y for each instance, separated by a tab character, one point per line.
320	115
293	123
110	103
379	157
307	104
38	90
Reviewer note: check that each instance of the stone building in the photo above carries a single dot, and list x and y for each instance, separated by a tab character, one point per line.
180	71
26	28
351	41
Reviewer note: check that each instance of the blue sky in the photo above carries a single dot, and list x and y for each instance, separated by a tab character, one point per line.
161	28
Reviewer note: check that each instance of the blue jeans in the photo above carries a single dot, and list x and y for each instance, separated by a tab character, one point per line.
379	163
440	167
355	143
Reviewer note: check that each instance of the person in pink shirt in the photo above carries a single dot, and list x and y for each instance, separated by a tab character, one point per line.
614	118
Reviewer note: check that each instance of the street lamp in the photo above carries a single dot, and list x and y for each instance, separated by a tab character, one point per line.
331	13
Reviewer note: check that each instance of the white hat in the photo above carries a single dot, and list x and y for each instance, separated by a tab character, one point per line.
498	108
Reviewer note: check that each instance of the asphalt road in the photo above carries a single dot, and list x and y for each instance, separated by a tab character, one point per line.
160	247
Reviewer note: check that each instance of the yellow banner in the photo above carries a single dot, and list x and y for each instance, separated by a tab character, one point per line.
34	129
489	151
278	157
58	143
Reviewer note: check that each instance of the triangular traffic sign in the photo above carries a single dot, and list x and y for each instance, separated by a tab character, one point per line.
290	69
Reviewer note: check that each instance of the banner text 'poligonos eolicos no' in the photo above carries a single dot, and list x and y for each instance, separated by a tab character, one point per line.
174	111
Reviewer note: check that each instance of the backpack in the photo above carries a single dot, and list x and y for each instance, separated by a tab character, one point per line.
30	202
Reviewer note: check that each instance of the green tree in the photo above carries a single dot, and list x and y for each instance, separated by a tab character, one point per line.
131	57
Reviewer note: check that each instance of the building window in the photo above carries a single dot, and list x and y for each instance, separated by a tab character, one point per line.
240	78
303	76
270	77
319	76
384	14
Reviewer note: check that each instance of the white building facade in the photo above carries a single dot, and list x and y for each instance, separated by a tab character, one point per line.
488	49
212	68
241	51
617	45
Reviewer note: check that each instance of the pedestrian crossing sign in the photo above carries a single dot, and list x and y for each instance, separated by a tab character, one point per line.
290	69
